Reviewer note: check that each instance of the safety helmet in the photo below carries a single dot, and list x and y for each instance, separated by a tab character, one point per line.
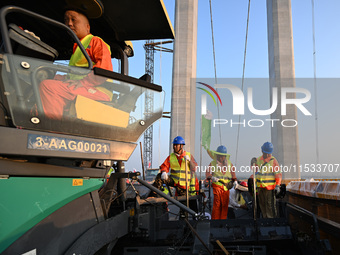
179	140
244	184
267	147
221	149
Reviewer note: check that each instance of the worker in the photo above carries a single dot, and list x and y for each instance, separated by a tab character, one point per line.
222	174
179	161
268	180
236	200
56	94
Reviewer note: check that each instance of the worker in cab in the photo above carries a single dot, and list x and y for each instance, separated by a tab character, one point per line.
222	174
268	180
56	94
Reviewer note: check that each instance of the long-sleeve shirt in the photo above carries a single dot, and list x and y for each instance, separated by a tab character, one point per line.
165	167
234	196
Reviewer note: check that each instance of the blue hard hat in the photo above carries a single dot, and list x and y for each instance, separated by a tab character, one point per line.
221	149
267	147
179	140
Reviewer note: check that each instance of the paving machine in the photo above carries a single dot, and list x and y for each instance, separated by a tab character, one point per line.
56	196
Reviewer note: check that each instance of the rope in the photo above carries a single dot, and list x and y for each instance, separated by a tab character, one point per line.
315	90
177	73
213	46
244	67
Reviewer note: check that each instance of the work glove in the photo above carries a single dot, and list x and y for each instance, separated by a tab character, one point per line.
234	184
186	157
215	179
253	161
277	189
164	176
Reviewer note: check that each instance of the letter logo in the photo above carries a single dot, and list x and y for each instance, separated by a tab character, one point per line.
204	99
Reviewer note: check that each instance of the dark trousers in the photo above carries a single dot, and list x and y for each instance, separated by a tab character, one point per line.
231	213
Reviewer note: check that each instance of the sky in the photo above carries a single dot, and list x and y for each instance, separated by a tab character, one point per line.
229	27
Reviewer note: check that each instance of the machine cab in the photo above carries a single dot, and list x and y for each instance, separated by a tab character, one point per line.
27	62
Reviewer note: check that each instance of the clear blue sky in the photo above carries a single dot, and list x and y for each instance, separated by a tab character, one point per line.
229	20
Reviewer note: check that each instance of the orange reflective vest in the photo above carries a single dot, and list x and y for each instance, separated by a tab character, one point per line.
223	176
178	172
265	176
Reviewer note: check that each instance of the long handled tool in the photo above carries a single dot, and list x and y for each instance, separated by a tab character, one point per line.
186	184
141	155
254	189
